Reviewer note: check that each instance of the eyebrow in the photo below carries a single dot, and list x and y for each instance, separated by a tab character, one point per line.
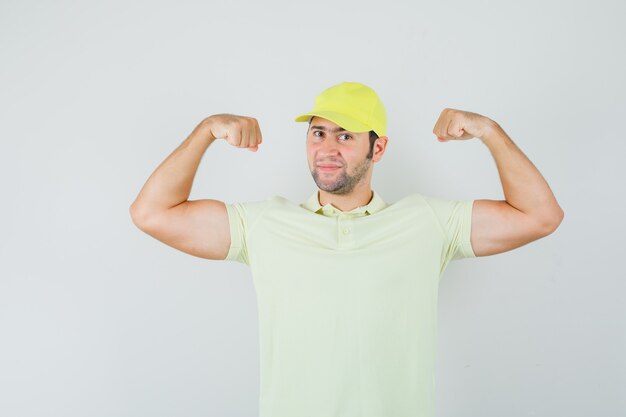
335	129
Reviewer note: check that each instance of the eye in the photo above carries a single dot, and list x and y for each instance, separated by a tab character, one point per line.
315	134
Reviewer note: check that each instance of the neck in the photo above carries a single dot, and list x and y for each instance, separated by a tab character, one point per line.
360	196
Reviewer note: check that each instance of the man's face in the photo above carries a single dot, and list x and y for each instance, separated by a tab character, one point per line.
337	158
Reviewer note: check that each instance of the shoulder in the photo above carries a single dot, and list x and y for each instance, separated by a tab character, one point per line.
438	203
410	200
442	209
255	208
248	210
410	207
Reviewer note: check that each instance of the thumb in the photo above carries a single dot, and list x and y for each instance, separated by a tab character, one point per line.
253	148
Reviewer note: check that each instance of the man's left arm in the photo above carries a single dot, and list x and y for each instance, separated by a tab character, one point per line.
530	210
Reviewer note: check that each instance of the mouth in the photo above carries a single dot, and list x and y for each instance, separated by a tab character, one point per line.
328	167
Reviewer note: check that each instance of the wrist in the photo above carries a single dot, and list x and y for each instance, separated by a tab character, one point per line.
492	132
205	129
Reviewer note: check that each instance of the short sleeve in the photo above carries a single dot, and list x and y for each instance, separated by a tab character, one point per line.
242	218
455	220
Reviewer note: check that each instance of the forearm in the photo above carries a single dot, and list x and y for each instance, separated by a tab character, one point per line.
523	185
170	184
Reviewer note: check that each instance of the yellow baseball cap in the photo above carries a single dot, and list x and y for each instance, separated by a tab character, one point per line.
351	105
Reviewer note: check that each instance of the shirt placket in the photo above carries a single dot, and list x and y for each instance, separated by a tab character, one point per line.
345	232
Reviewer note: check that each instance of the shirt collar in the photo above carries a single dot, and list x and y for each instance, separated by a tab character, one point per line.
376	204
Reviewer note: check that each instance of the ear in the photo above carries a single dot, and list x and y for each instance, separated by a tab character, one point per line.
379	148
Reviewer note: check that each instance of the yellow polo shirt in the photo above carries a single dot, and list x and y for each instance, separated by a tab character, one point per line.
347	301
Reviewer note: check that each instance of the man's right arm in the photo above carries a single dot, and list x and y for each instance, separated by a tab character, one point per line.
162	208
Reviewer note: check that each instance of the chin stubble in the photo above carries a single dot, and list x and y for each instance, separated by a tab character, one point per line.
344	183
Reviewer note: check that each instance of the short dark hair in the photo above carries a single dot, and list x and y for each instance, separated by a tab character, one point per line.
373	137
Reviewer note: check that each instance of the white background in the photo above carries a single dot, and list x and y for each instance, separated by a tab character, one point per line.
99	319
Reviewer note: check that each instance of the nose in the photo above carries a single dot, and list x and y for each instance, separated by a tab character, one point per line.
328	147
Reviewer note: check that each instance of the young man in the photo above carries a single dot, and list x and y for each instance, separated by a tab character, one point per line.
346	283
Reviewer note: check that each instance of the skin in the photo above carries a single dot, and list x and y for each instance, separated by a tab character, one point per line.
163	209
528	212
349	186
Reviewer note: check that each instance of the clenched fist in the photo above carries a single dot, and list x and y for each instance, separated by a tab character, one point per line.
239	131
459	125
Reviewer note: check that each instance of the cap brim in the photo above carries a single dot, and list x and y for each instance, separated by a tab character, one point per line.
337	118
